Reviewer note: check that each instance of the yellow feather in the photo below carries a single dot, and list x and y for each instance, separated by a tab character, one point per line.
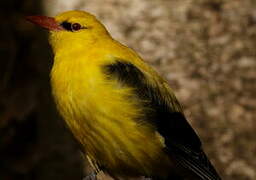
101	115
121	111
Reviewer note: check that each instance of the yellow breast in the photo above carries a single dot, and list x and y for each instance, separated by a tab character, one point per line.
105	120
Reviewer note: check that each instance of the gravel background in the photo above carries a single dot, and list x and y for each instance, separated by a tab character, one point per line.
204	48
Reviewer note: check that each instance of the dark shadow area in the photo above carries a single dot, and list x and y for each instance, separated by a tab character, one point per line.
34	144
204	48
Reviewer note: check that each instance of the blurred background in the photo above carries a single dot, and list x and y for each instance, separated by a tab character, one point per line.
204	48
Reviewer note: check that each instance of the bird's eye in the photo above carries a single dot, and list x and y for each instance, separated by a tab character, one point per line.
76	27
72	26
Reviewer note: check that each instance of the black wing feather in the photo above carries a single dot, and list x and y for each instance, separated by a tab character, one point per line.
182	142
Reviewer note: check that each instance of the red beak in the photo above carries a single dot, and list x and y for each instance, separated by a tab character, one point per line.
45	22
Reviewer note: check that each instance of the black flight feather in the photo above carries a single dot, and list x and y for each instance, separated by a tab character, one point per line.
183	144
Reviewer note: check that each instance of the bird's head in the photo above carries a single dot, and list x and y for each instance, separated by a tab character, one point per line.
71	29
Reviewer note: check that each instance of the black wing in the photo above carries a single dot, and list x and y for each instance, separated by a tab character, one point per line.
183	144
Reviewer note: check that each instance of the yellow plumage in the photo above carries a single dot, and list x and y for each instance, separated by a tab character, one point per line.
121	111
101	115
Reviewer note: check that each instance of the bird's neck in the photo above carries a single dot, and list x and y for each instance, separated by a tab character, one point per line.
65	45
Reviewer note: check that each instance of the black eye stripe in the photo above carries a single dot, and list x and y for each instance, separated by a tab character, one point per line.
66	25
72	26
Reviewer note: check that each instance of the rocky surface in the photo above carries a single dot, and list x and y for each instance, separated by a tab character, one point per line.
204	48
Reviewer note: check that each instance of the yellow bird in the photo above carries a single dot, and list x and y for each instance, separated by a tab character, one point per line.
124	115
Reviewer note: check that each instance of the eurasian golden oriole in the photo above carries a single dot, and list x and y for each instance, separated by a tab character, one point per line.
124	115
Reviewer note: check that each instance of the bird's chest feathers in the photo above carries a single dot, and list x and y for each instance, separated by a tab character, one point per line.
102	119
75	87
